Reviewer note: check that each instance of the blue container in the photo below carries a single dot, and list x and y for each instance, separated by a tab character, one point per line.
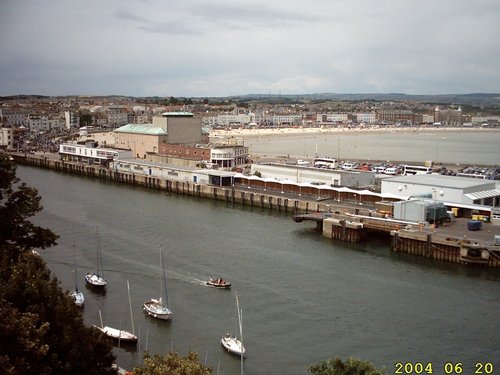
474	224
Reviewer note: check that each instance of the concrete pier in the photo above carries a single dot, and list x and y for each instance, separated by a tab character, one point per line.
338	223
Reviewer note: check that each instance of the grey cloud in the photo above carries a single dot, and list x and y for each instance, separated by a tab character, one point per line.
248	15
129	16
169	23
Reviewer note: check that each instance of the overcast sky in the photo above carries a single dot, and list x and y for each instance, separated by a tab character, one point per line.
198	48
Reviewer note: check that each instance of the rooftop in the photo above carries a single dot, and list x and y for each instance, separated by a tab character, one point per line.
148	129
177	114
443	181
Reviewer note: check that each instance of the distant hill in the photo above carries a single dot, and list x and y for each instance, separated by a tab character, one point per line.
474	99
470	99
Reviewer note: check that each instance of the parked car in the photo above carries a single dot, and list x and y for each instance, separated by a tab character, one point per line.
347	166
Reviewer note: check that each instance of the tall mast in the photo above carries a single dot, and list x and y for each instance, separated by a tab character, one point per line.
130	304
164	279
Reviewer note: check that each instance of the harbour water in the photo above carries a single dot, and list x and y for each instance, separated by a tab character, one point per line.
449	147
304	298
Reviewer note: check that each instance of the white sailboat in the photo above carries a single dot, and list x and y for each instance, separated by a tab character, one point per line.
119	334
77	294
96	279
231	343
158	307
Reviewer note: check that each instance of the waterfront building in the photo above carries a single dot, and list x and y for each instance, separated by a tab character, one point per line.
486	121
465	193
91	154
179	128
141	139
300	174
174	173
395	116
287	120
335	118
448	117
367	118
221	153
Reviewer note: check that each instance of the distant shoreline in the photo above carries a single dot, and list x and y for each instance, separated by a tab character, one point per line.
255	133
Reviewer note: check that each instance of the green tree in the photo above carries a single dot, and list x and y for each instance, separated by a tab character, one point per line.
41	329
85	119
172	364
352	366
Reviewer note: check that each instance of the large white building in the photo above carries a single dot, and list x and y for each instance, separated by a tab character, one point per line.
72	120
90	154
14	116
300	174
453	191
368	118
44	123
287	119
336	118
117	115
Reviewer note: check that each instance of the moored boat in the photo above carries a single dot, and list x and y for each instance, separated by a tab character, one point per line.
231	342
78	297
118	334
95	278
158	307
233	345
77	294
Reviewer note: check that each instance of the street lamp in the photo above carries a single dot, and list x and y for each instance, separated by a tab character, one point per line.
437	147
434	195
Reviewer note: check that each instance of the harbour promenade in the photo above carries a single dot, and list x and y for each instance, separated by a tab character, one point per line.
344	220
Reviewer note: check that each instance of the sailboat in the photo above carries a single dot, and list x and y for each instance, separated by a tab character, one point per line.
95	278
76	294
231	343
119	334
158	308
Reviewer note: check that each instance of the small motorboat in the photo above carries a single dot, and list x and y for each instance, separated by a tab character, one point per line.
218	283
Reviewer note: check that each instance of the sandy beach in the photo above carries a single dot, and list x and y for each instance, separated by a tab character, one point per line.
467	146
250	133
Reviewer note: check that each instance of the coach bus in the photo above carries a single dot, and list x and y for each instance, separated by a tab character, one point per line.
416	169
325	163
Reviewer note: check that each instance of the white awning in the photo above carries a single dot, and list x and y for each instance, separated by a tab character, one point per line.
483	194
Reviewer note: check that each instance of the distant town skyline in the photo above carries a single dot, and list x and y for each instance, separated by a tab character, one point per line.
199	48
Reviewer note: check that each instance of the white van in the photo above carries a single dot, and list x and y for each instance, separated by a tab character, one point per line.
347	166
391	170
303	163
